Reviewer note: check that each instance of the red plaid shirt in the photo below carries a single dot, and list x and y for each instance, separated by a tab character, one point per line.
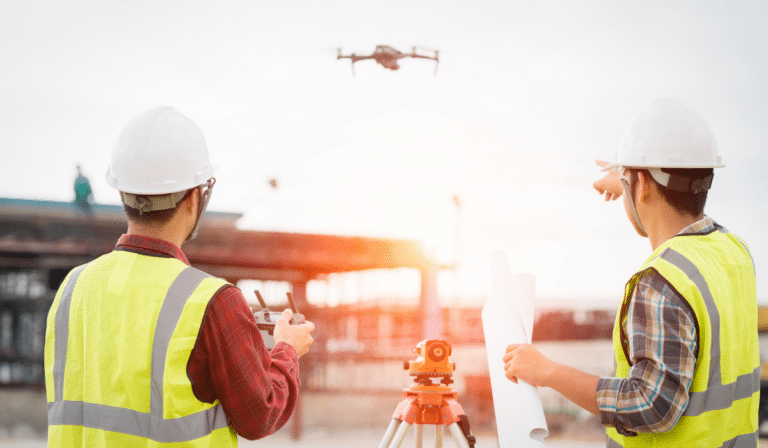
257	388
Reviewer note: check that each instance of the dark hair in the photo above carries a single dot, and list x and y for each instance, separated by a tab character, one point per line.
155	217
692	204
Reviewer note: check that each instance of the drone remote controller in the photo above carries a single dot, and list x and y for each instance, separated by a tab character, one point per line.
266	319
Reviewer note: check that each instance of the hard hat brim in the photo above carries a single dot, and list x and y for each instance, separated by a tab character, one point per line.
159	188
615	166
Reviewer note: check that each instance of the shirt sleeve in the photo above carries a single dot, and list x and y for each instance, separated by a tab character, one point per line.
258	389
661	336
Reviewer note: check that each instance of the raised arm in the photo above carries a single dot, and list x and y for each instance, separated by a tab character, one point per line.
609	185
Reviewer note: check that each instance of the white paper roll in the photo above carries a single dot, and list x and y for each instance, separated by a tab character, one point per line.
508	319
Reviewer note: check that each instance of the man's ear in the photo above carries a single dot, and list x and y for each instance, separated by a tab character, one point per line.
192	201
644	185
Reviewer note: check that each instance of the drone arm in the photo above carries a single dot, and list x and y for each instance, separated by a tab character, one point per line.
354	57
421	56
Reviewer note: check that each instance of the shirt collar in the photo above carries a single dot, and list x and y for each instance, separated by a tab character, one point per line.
704	225
150	246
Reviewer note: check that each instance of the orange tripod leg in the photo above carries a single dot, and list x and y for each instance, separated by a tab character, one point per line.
428	406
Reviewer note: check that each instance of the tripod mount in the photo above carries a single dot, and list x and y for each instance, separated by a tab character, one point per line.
429	400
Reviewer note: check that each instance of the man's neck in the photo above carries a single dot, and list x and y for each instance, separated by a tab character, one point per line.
176	230
669	222
165	233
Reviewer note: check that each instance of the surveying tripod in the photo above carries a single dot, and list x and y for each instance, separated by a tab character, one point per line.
430	400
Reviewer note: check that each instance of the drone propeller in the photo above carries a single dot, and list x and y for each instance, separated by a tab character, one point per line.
435	57
350	56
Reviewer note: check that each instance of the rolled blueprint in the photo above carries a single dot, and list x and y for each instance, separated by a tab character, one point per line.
508	319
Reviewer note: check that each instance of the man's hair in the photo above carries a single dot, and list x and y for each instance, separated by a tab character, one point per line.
692	204
157	217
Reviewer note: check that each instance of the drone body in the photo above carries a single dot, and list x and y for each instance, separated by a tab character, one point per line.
387	57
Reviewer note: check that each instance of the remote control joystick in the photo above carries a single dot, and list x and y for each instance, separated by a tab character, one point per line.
266	319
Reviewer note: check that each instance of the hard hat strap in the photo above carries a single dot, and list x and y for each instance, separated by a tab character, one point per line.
631	202
205	196
152	203
681	183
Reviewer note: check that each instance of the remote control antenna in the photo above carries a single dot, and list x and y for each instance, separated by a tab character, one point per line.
261	300
263	304
293	304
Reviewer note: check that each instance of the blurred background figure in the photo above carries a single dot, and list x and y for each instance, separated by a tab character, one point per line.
83	193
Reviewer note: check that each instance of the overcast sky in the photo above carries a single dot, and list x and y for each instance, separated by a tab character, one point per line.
526	96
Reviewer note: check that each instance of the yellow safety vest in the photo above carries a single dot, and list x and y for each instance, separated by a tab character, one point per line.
714	273
119	336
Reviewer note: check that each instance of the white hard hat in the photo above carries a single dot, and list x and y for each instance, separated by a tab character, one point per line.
667	134
159	152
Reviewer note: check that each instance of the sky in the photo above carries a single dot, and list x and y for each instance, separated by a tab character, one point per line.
527	95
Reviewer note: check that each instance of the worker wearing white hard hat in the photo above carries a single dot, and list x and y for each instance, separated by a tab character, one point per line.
141	348
158	158
687	364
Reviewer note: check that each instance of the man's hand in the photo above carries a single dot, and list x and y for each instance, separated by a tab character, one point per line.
525	362
610	185
298	336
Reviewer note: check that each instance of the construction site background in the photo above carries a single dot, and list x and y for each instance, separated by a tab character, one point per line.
353	377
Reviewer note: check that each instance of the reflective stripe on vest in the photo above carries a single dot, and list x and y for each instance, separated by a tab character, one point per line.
718	395
742	441
62	334
150	425
725	354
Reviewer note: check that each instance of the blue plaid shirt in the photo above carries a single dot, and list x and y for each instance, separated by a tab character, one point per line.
661	335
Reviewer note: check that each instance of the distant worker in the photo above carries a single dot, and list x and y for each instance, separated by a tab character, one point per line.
83	192
687	362
142	349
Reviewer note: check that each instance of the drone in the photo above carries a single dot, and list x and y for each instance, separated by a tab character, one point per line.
387	57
